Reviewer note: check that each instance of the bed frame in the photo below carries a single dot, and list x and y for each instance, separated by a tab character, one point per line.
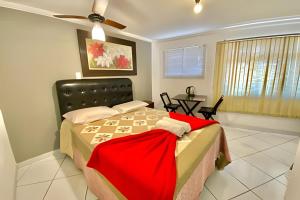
76	94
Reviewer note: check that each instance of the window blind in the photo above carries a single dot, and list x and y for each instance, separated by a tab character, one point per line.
185	62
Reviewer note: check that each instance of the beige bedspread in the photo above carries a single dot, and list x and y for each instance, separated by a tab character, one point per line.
190	149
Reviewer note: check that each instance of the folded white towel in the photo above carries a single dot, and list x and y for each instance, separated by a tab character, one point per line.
171	127
187	126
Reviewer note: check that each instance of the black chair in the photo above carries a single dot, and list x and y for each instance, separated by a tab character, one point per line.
207	112
168	105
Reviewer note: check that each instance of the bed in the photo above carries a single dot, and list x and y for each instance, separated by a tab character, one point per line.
197	153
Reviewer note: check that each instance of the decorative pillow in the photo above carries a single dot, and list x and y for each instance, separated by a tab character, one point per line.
86	115
130	106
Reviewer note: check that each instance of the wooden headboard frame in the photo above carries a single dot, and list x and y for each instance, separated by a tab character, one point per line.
84	93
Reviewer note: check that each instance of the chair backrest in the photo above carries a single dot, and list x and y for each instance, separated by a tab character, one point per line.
218	104
165	98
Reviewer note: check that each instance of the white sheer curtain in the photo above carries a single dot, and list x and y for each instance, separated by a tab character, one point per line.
259	75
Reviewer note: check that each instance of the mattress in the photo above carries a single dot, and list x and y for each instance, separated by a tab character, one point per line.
190	149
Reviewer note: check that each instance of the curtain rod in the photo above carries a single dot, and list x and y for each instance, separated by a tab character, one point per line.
262	37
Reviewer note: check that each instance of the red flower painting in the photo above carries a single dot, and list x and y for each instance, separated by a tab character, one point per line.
122	62
96	49
108	56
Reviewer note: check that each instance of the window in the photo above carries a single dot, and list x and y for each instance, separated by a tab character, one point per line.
185	62
260	75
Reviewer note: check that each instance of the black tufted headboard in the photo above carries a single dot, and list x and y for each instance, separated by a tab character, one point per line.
77	94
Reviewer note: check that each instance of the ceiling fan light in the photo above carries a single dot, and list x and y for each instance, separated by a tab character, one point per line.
98	32
198	8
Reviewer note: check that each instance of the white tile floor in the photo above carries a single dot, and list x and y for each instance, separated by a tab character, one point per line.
259	170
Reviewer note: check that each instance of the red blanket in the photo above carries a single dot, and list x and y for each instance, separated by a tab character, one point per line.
196	123
142	166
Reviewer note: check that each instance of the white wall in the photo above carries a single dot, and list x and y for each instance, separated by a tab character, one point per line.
36	51
204	85
7	165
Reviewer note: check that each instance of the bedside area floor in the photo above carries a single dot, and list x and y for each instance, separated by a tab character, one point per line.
259	170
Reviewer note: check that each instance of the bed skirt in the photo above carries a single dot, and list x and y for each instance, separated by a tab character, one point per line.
191	189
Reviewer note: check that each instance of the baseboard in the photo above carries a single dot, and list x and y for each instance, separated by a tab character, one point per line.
264	123
260	129
38	158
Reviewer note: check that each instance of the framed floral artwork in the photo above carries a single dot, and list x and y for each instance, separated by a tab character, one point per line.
115	57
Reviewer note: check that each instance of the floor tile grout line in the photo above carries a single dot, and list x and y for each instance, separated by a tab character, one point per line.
59	168
232	198
47	190
295	137
258	170
266	183
29	166
209	191
240	137
257	132
262	184
272	178
33	183
256	195
53	178
248	189
258	151
240	182
49	180
282	175
260	132
269	145
261	151
286	140
242	158
243	136
252	190
284	149
86	191
261	170
276	145
256	187
59	178
280	183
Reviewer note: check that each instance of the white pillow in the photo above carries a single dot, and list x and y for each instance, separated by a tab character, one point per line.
86	115
130	106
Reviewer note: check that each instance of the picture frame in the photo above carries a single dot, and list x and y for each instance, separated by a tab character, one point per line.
114	57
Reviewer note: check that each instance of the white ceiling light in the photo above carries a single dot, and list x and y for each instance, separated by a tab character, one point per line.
98	32
198	7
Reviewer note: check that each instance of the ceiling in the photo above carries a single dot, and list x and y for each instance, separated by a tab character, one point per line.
161	19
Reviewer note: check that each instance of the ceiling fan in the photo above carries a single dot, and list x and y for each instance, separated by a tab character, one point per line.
97	17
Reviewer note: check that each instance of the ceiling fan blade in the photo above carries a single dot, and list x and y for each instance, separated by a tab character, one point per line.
70	17
100	6
114	24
